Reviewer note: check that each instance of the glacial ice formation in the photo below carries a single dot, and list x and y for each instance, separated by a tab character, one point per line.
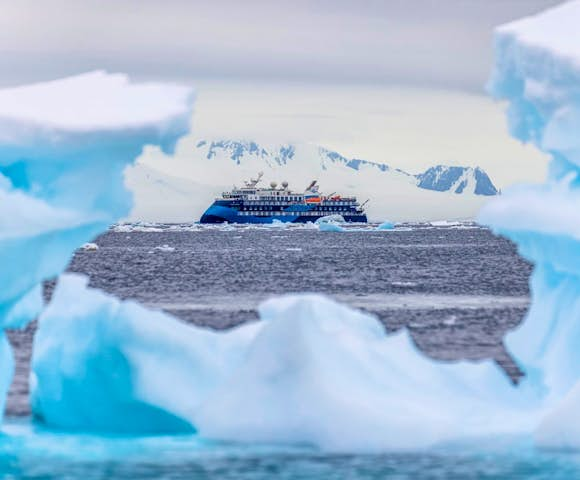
538	71
102	365
312	371
63	148
319	372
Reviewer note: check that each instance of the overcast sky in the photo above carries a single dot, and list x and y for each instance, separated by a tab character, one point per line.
443	43
395	81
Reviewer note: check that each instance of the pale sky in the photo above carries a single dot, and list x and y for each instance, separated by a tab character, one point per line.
399	81
406	127
443	43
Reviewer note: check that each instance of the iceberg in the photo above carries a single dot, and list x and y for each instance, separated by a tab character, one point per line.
311	371
102	365
64	146
386	225
324	374
330	227
537	71
330	219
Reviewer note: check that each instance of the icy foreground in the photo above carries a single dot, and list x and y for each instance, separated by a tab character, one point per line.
63	148
311	371
538	72
102	365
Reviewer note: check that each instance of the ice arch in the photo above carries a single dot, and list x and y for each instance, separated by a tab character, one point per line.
312	371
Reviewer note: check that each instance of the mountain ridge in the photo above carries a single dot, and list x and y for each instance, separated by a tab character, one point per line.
440	178
180	187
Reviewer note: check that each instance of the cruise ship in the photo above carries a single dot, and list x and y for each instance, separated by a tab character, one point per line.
252	204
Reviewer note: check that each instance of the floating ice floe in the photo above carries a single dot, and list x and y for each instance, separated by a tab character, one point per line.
278	224
330	227
445	223
165	248
330	223
386	226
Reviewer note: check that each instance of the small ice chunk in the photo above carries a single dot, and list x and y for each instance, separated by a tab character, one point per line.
330	227
278	224
450	321
330	219
386	225
165	248
444	223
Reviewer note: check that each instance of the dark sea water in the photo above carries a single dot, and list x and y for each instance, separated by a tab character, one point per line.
458	290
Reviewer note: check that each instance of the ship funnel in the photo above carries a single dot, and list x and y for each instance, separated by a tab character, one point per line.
273	185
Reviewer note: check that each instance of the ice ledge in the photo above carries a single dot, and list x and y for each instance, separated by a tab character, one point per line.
537	68
555	30
85	108
94	101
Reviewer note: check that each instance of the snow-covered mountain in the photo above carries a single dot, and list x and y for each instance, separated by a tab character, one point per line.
441	178
457	180
180	187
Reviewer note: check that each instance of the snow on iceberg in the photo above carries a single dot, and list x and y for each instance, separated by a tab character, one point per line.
63	147
538	71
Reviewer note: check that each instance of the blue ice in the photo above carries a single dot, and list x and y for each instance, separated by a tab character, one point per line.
63	148
311	371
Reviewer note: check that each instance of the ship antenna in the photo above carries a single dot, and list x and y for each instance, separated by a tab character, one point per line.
254	181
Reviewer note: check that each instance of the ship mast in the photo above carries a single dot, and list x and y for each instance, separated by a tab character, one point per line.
254	181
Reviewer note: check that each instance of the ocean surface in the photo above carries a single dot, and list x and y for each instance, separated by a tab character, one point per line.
457	288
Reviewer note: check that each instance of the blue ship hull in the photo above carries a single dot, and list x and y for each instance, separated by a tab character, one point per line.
222	214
